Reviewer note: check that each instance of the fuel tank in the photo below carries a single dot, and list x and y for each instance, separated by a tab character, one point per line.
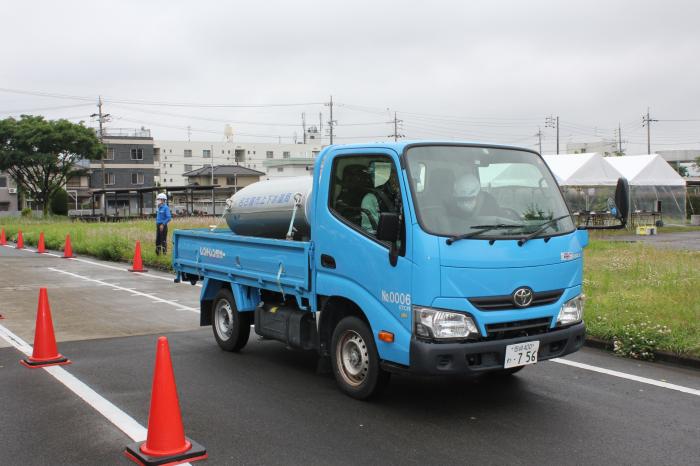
265	208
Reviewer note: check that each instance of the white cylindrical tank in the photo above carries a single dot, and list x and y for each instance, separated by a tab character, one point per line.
265	208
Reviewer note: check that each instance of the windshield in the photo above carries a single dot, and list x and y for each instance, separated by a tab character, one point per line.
461	189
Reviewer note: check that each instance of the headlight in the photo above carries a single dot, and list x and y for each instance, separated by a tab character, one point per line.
571	311
439	324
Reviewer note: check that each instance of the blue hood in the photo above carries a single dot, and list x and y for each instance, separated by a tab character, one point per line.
472	267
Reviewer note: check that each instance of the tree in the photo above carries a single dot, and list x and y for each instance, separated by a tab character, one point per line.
41	154
59	202
683	171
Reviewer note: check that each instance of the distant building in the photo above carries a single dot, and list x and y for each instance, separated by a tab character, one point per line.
294	166
603	147
225	176
179	157
130	163
8	195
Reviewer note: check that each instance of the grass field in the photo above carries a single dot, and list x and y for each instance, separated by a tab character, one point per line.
640	297
108	241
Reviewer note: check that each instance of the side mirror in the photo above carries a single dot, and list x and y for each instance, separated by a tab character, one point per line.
388	227
622	200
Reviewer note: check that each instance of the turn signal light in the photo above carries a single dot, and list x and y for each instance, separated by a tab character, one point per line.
386	337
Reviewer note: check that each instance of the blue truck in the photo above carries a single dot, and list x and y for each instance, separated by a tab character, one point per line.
433	258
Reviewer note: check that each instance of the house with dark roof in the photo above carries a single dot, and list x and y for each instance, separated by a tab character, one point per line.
225	176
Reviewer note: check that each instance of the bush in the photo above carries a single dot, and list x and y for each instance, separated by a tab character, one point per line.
26	212
59	203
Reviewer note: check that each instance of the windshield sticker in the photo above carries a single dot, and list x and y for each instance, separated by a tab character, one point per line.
569	256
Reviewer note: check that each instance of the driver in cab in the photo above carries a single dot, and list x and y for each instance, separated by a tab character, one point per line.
470	201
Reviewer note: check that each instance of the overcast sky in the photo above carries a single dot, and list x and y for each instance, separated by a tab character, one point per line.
477	70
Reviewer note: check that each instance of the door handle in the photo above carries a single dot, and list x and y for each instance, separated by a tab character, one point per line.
327	261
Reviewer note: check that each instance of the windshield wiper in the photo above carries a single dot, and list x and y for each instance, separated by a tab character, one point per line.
540	228
479	230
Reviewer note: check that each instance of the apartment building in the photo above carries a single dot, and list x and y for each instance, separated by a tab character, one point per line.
274	160
130	163
8	195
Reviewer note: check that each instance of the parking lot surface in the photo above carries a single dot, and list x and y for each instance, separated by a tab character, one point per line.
267	404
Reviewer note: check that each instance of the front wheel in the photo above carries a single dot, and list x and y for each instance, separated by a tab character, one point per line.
231	328
355	360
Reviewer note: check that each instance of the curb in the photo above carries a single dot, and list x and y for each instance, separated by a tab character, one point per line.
659	355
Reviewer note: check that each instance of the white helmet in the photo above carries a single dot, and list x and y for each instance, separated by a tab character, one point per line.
466	190
162	196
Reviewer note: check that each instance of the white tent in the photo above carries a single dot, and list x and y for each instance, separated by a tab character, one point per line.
646	170
588	169
587	180
651	180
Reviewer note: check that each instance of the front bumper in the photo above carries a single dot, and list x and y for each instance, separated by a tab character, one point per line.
479	357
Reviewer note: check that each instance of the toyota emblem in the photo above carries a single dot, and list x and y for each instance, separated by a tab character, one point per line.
522	297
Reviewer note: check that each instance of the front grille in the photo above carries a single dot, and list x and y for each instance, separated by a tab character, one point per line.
504	302
518	328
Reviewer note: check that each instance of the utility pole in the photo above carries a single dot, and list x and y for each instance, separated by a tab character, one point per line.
331	121
646	121
101	119
320	126
213	206
619	139
539	138
303	125
551	122
396	134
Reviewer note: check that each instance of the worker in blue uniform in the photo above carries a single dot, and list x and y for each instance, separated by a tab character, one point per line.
163	217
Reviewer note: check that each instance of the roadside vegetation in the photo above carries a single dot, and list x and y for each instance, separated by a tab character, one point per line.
640	298
112	241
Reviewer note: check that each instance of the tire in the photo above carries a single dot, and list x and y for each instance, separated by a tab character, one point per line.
231	328
355	360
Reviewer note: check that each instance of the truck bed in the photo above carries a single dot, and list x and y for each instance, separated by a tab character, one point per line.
272	264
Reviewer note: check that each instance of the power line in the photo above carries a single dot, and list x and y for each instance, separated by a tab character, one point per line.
42	109
156	103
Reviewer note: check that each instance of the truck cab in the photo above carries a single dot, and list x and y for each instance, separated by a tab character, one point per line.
423	257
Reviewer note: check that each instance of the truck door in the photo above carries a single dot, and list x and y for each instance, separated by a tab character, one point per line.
355	187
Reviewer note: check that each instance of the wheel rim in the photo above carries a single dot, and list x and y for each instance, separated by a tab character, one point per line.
223	319
352	356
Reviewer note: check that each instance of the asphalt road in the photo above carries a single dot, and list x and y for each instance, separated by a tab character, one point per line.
267	405
685	240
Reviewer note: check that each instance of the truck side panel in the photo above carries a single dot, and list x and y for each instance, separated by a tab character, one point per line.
258	263
376	313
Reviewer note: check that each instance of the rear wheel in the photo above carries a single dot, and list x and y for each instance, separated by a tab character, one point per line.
355	360
231	328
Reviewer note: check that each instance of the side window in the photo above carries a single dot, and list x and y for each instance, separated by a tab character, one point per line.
362	188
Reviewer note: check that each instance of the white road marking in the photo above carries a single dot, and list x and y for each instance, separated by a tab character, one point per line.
624	375
121	269
116	416
152	297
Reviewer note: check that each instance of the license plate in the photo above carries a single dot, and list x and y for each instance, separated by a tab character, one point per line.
521	354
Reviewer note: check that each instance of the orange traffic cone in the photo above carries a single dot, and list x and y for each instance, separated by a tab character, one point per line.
45	352
67	249
3	240
41	247
166	442
137	265
20	240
